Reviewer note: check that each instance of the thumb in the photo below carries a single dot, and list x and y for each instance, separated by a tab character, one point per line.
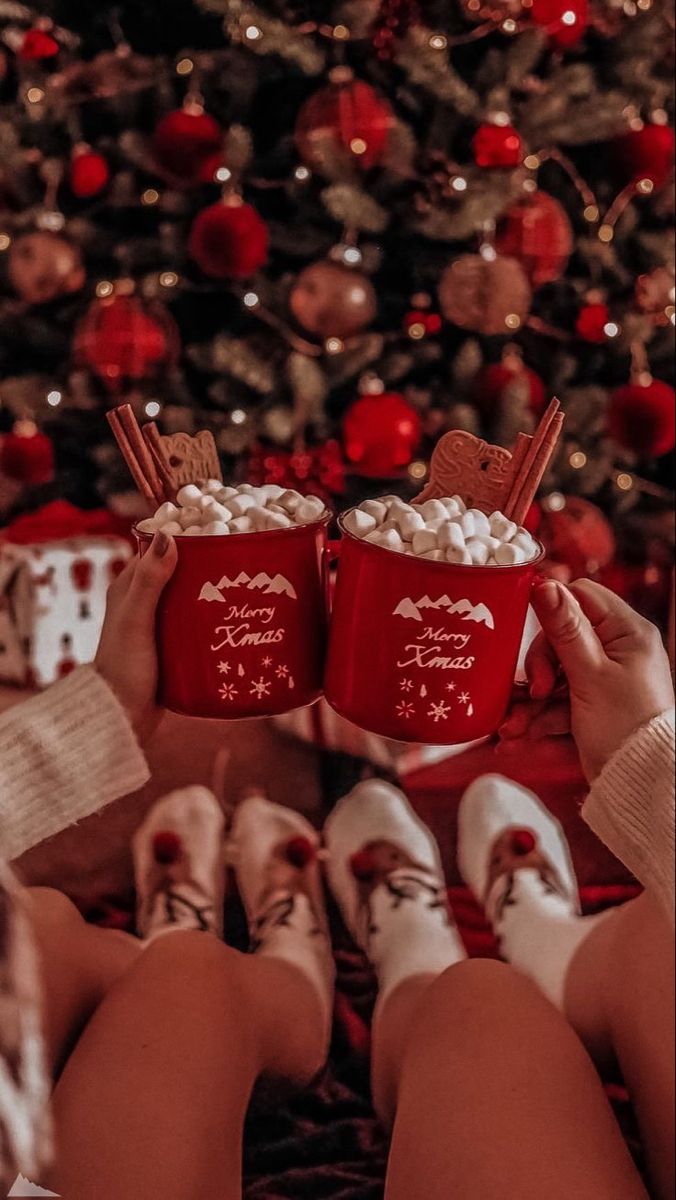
153	571
568	630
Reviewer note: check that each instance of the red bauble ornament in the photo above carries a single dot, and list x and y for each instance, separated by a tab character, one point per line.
489	296
26	455
331	300
44	266
89	174
38	46
646	153
229	241
123	338
537	232
381	434
492	384
497	146
578	536
591	323
183	141
564	20
642	418
419	324
346	123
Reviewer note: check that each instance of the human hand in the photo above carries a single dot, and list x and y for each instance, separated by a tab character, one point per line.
616	673
127	656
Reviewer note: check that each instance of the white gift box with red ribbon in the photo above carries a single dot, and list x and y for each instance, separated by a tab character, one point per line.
52	605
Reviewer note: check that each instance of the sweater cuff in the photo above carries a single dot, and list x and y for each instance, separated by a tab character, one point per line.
65	754
631	806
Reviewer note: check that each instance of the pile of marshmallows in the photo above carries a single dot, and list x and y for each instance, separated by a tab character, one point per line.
211	509
442	531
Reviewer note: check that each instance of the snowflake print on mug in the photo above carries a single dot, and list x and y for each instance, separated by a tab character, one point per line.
405	710
439	712
406	685
260	689
282	671
224	668
228	691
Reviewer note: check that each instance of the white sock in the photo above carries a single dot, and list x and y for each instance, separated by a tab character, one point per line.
275	853
515	857
385	871
179	865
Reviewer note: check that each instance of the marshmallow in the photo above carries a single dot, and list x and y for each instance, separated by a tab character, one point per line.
290	501
460	503
467	523
172	528
425	543
359	522
502	527
376	509
478	551
166	512
452	507
241	525
309	510
410	523
275	520
190	494
482	524
215	529
459	557
434	510
451	535
239	505
194	531
434	556
272	491
509	555
150	525
212	487
189	516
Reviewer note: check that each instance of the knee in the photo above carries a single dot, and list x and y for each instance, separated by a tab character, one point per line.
50	911
475	996
196	961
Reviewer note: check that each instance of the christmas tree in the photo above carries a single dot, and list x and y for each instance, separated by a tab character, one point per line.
331	231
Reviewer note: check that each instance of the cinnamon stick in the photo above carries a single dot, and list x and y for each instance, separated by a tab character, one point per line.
144	458
537	470
129	456
521	479
153	440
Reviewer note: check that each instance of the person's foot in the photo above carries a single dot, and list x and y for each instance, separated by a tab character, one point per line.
275	855
384	869
514	856
179	866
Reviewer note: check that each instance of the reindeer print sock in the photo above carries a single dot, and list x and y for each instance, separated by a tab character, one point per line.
515	857
275	853
385	872
179	865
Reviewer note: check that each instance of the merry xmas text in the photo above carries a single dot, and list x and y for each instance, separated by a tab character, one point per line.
239	632
422	654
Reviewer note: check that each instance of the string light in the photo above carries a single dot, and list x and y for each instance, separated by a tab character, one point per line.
185	66
606	233
5	241
358	146
532	161
555	502
509	26
334	345
250	300
341	33
459	184
624	481
500	118
54	399
488	252
352	255
252	33
591	213
660	116
569	17
645	186
168	279
530	185
153	408
418	470
222	175
35	95
238	416
578	460
513	321
150	196
104	289
611	330
438	41
301	174
416	331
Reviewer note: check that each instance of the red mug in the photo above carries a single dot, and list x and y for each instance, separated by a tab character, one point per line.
242	623
423	651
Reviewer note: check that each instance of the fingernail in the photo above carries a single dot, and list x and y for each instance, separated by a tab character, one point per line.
550	595
160	544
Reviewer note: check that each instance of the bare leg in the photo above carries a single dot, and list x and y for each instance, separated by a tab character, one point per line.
79	965
497	1097
620	998
153	1099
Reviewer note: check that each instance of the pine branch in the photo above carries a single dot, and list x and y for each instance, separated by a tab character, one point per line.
432	70
276	37
235	357
487	196
350	206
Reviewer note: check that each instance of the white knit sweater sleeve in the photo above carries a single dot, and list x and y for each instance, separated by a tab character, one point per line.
631	807
63	755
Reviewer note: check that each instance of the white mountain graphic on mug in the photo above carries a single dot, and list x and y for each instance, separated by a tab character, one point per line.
410	609
269	586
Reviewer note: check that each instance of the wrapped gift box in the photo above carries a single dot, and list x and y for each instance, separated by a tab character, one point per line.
52	602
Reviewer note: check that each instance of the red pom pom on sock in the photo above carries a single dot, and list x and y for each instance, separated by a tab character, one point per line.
363	866
167	847
523	842
300	852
